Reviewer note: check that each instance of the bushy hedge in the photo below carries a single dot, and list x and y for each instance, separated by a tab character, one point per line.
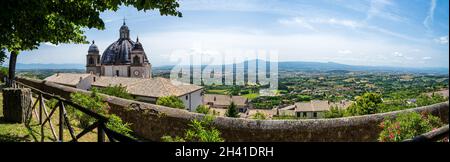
408	126
170	101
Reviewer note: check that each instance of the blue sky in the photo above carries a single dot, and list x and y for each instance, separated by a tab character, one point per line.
405	33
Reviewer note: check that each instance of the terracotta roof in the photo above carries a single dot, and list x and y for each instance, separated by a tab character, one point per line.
224	100
71	79
151	87
314	105
319	105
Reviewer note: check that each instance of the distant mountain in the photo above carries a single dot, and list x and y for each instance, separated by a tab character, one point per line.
49	66
285	66
331	66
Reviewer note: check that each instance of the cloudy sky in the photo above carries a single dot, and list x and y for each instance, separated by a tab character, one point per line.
406	33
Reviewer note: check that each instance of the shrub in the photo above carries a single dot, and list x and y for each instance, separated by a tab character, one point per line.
232	111
117	91
116	124
95	103
200	131
202	109
407	126
259	116
170	101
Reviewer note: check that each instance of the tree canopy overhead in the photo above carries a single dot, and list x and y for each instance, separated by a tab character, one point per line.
25	24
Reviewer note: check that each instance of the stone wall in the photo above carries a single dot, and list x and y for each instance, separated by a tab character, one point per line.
152	121
17	104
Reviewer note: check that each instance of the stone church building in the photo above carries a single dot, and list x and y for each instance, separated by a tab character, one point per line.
125	63
123	58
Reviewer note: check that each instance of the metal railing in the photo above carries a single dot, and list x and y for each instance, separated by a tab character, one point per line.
63	120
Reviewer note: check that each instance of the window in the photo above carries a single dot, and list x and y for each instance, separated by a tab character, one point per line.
136	60
187	97
305	114
94	79
315	114
298	114
117	72
91	61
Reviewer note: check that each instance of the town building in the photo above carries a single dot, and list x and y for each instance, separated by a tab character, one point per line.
313	109
223	101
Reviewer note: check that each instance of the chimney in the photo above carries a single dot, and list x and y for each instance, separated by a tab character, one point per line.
57	74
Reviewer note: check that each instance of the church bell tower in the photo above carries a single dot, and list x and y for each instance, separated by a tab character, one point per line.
93	60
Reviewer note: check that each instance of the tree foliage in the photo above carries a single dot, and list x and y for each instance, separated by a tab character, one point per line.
170	101
335	112
232	111
200	131
365	104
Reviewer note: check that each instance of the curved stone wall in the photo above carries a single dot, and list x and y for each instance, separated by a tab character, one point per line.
152	121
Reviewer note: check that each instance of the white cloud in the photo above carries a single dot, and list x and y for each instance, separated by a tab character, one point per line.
426	58
340	22
297	21
442	40
398	54
51	44
345	52
310	23
430	16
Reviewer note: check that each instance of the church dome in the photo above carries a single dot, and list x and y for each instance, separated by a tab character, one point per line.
138	45
119	52
93	47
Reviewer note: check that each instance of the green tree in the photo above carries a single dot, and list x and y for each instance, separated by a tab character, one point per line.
117	91
365	104
25	24
334	112
200	131
232	111
202	109
170	101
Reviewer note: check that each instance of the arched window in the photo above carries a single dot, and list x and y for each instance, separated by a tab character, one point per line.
91	61
136	60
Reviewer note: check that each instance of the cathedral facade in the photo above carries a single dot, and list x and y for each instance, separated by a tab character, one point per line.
123	58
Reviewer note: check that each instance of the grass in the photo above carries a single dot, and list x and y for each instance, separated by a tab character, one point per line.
15	132
251	96
217	91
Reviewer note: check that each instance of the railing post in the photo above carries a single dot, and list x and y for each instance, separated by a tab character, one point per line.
41	100
61	121
101	132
